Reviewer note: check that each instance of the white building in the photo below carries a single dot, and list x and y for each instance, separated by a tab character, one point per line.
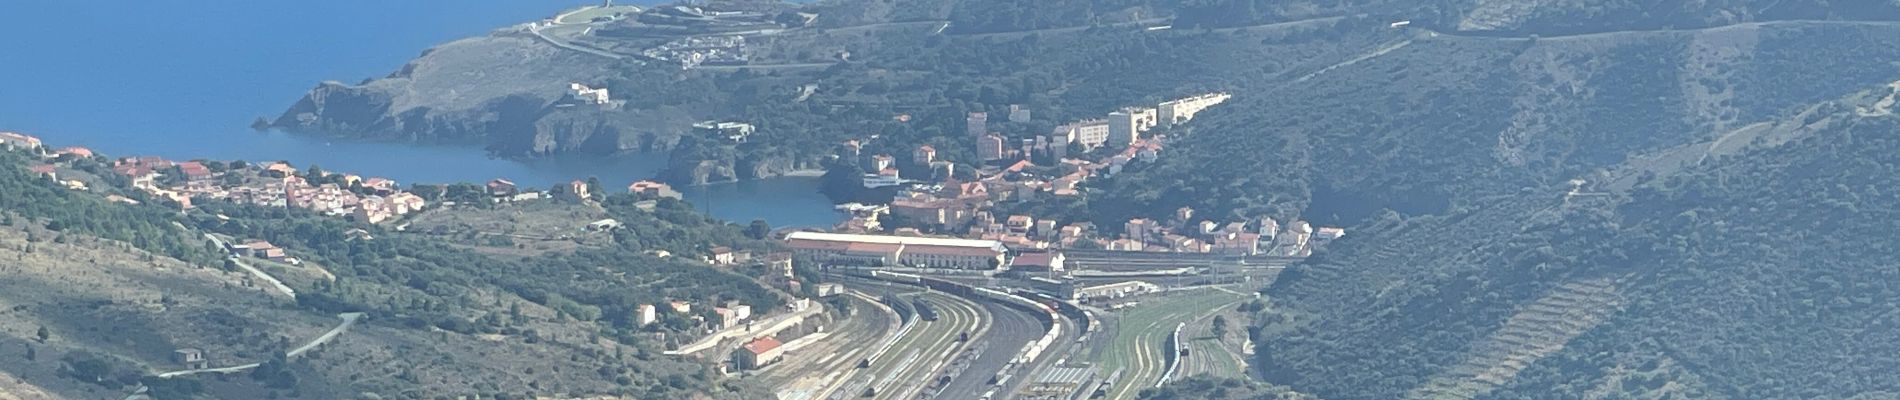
1114	290
587	95
1090	133
736	132
1182	110
17	141
648	314
884	177
880	250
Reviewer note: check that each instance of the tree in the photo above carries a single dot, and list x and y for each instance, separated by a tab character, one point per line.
43	334
758	230
595	191
1220	326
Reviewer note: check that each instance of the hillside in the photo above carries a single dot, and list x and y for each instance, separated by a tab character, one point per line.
854	65
118	286
1433	122
1719	239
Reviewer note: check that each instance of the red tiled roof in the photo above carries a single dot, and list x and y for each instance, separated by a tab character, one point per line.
806	244
1033	259
880	248
951	250
194	169
762	345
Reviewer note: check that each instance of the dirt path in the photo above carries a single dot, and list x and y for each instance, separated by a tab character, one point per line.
1355	60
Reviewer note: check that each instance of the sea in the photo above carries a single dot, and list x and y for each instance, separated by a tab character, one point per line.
184	79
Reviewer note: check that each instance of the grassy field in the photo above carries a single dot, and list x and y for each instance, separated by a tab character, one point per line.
1142	330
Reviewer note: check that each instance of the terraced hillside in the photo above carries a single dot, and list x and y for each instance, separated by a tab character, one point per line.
1537	330
1713	279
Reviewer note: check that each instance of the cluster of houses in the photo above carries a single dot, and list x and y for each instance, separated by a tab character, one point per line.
1182	233
278	184
730	315
693	51
965	208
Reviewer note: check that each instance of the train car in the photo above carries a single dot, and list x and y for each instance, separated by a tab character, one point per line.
903	309
925	311
896	277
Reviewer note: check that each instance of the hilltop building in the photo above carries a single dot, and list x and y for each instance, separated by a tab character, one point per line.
17	141
587	95
501	187
648	314
576	191
653	189
736	132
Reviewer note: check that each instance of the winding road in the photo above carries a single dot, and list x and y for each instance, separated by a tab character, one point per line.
279	285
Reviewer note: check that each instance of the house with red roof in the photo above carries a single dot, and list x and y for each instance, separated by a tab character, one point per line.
46	170
758	353
75	151
17	141
195	172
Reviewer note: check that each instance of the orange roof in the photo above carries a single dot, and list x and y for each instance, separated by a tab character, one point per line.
951	250
857	247
194	169
762	345
77	151
808	244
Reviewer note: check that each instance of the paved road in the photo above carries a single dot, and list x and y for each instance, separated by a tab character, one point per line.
349	320
279	285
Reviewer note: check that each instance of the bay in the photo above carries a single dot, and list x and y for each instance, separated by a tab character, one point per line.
183	80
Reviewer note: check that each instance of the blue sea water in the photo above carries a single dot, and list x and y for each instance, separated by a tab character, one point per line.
184	80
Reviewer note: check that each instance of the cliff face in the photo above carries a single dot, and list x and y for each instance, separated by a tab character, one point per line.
498	90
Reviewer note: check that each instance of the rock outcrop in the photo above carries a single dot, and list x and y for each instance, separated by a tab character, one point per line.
499	90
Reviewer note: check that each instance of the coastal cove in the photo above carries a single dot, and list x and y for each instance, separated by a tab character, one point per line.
183	81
